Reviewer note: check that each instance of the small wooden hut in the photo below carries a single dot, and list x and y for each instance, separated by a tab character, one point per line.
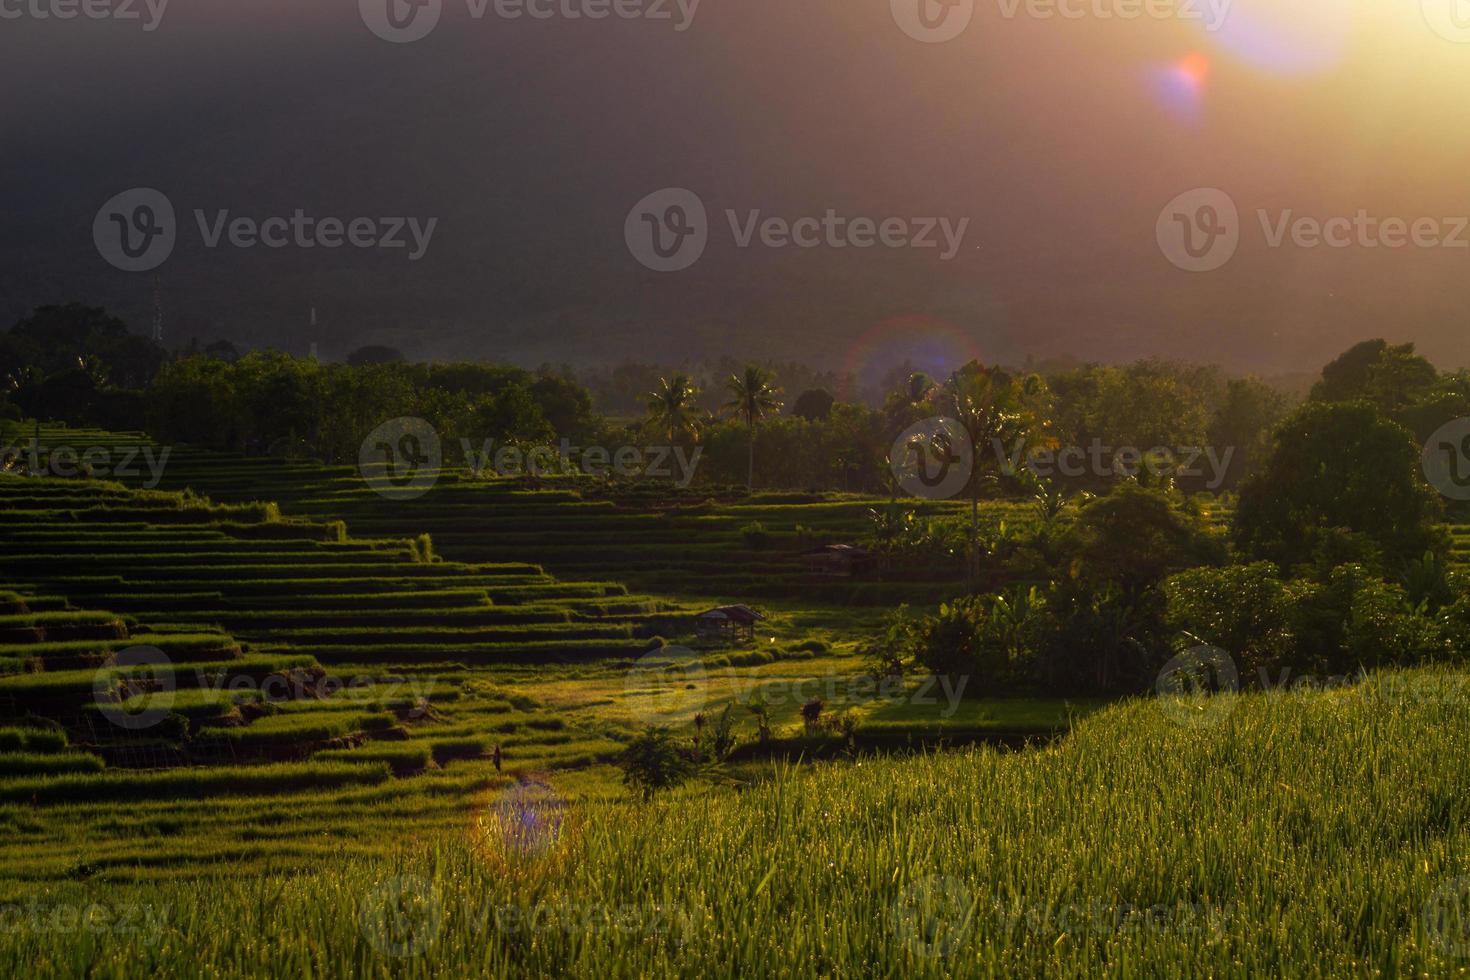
729	623
839	561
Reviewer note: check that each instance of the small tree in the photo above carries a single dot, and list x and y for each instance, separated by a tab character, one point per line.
814	405
762	711
811	716
1135	537
652	762
715	742
1335	469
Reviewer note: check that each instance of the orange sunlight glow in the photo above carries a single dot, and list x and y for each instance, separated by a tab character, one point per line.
1194	69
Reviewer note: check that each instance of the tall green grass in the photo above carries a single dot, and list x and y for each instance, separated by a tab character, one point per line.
1319	835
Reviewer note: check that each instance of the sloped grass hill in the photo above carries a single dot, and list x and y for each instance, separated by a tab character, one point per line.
304	586
302	670
1318	834
709	542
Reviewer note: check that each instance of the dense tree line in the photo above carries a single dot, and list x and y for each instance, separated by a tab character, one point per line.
1334	562
1334	559
774	426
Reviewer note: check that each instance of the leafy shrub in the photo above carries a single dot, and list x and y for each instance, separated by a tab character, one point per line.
31	740
750	658
1135	537
1338	466
1246	610
1350	621
1101	638
888	654
756	536
991	638
1382	628
652	762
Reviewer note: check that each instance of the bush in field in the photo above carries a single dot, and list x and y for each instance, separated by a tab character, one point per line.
888	653
1246	610
756	536
1390	377
31	740
992	639
652	762
1350	620
1103	638
1135	537
1356	621
716	740
1335	470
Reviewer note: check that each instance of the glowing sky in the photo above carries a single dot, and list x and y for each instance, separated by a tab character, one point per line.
1060	138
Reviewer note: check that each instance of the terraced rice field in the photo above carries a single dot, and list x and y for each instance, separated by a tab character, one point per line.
690	542
330	665
264	690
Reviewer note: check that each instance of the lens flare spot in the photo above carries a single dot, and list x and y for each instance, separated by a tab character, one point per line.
1296	38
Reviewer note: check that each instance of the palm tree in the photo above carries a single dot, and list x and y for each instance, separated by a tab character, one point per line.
672	410
753	396
995	410
909	402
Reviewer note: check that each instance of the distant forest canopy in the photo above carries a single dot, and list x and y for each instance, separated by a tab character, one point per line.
770	424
